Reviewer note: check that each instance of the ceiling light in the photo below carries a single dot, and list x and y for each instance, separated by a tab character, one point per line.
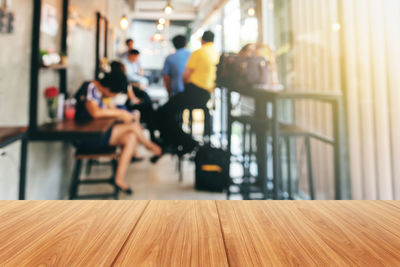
162	21
168	8
157	37
160	27
336	27
251	12
124	23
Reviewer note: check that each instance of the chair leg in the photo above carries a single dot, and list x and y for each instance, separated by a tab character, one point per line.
207	124
75	179
114	165
180	169
89	165
191	122
289	167
310	171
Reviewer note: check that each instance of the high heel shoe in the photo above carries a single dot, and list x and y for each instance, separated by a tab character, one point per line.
154	159
127	191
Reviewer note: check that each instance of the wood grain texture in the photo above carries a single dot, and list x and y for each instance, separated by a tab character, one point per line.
199	233
176	233
319	233
65	233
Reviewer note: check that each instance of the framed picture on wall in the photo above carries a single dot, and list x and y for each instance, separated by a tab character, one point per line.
49	22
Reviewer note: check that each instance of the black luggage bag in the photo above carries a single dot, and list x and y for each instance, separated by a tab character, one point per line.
212	169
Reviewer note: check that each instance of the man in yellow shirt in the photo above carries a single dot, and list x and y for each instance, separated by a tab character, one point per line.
199	78
202	65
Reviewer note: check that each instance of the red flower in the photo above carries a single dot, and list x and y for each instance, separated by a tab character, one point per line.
51	92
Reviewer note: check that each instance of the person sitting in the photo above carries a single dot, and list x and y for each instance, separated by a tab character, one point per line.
199	76
134	70
126	134
130	45
175	65
137	100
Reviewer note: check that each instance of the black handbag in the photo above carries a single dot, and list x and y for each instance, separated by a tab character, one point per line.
242	72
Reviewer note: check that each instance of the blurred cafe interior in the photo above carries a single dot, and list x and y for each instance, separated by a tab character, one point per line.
199	99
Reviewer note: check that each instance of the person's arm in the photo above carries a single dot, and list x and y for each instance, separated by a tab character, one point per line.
131	94
166	73
167	83
99	113
140	72
186	75
132	97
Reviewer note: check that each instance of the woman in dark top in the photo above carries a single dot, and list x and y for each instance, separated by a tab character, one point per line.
126	135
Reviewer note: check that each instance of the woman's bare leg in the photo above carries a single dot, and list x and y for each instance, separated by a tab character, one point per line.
136	129
128	141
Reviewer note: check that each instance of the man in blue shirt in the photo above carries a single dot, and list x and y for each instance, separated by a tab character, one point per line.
175	65
134	70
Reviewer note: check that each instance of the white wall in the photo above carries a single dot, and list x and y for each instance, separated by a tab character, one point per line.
49	164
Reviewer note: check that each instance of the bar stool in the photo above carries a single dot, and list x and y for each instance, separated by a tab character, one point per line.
206	133
249	188
110	154
288	132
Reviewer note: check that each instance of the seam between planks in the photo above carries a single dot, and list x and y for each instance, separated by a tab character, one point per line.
222	232
130	233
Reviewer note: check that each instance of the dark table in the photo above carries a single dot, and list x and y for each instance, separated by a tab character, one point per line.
262	97
65	131
9	135
70	130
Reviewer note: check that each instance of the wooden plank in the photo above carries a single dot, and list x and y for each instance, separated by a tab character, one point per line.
305	233
176	233
65	233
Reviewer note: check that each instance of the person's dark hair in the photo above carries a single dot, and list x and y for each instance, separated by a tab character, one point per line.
117	66
208	36
128	41
179	41
134	52
116	80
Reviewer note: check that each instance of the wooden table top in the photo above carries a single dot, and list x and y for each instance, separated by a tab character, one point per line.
10	134
199	233
71	130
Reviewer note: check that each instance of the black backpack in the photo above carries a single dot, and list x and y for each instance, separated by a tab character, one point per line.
212	169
